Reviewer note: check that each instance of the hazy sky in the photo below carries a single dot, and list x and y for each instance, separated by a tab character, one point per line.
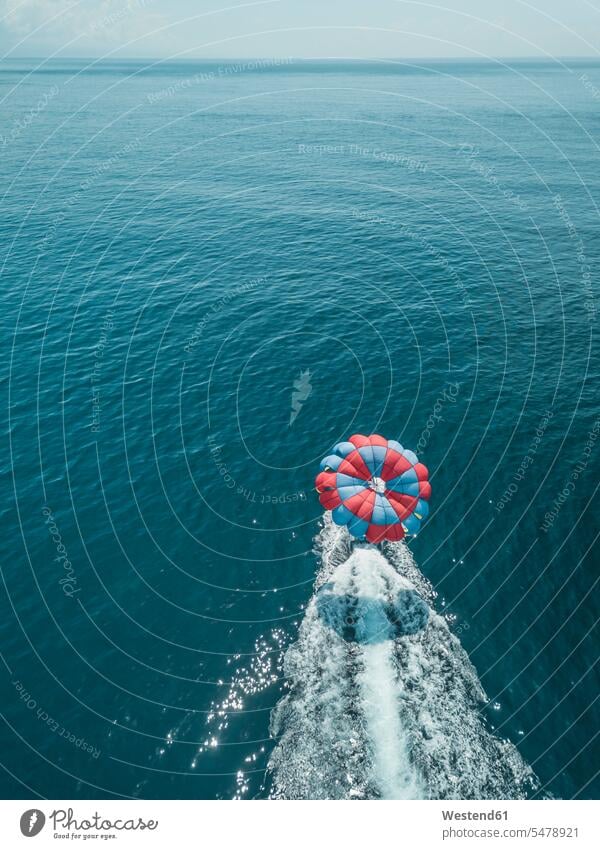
311	28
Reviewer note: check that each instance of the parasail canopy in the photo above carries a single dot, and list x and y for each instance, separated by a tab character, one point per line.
375	487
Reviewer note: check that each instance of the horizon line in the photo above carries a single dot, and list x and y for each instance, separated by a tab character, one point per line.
524	58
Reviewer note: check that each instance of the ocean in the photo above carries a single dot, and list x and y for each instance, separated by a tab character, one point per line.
211	273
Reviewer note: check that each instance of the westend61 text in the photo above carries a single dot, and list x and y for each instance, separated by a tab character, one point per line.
475	815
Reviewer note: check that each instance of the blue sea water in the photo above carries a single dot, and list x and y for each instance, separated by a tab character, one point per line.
211	273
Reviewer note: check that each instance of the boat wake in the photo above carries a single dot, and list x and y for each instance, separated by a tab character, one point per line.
382	701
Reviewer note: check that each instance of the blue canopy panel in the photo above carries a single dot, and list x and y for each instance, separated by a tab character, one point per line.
379	455
348	480
422	509
346	492
412	524
406	483
383	512
358	527
341	515
366	452
342	449
332	461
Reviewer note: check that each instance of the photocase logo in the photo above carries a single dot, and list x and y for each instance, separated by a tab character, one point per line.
32	822
302	390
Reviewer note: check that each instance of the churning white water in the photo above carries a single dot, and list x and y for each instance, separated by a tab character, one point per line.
382	701
392	771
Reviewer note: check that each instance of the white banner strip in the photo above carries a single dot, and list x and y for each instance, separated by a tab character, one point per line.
273	825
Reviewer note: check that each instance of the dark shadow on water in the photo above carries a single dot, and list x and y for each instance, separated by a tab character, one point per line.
360	619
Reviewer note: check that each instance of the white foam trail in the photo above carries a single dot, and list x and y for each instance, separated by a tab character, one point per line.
393	773
378	715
